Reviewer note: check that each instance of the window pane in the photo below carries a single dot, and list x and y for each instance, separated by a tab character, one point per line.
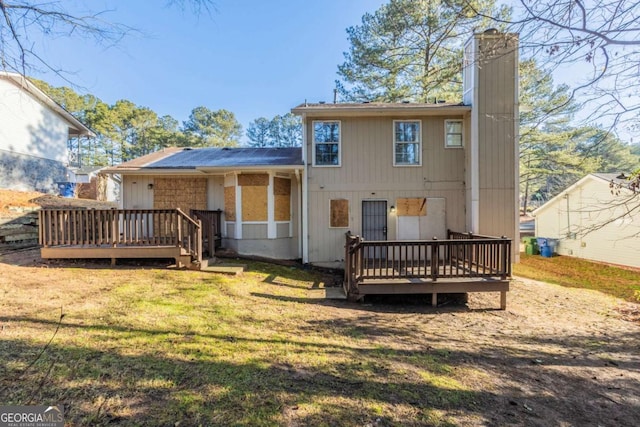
407	131
407	154
454	140
327	154
326	132
454	127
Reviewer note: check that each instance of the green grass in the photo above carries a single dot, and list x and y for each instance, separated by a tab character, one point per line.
578	273
158	347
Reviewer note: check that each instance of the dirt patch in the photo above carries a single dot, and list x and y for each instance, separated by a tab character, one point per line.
10	200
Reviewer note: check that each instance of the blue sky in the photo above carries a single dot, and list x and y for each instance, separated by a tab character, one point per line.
254	58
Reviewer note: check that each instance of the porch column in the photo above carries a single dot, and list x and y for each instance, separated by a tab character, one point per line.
272	231
238	227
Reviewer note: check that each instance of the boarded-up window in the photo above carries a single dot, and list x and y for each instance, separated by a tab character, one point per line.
254	203
412	206
230	203
339	213
282	199
183	193
253	179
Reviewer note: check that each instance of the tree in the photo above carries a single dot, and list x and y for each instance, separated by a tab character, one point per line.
281	131
258	132
411	50
213	128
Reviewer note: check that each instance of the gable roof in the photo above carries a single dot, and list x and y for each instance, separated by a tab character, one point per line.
76	127
380	108
605	178
213	158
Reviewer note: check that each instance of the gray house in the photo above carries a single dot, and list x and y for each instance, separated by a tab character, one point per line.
34	131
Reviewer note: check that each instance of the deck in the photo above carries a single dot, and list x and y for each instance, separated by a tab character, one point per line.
121	233
462	263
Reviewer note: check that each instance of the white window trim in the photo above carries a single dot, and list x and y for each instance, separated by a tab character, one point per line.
446	134
419	142
313	145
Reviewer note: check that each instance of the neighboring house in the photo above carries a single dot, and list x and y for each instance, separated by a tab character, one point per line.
258	189
34	131
91	183
400	171
594	221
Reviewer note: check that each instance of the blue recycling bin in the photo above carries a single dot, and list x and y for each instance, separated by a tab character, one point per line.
546	251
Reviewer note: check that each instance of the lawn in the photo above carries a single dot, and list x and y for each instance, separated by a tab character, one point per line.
579	273
148	346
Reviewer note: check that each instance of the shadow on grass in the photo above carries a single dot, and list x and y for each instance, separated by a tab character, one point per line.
110	387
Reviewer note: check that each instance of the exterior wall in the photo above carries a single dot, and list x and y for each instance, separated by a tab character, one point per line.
493	164
588	223
28	127
208	193
367	173
136	193
256	239
27	173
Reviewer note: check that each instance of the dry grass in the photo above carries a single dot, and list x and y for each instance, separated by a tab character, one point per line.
151	346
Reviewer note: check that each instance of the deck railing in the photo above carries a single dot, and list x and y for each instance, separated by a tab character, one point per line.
120	228
462	255
211	228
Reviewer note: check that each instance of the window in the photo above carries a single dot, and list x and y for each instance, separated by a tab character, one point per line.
453	133
326	143
406	143
339	213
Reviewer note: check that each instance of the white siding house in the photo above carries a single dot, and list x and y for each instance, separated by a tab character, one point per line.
593	222
34	131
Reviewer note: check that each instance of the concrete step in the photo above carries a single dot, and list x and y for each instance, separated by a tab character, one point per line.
223	268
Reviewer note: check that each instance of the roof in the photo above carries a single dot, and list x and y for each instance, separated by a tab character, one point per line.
76	127
607	178
210	158
380	108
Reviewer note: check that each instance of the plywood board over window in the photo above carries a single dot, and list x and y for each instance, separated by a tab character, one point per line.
339	213
416	206
183	193
254	203
253	179
282	199
230	203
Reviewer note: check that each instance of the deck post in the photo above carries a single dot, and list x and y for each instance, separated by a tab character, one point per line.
434	259
503	300
504	262
434	299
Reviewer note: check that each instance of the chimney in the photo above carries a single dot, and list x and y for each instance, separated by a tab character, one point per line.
490	82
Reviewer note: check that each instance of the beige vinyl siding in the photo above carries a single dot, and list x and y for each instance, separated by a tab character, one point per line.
367	173
136	193
497	147
282	230
254	231
591	205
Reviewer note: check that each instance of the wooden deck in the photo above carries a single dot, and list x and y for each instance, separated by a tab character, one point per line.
121	233
462	263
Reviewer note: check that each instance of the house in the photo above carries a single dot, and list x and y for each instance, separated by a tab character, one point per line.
34	131
258	189
406	197
597	218
91	183
412	171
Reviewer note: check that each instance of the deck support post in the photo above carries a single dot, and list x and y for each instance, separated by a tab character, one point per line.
113	261
434	299
503	300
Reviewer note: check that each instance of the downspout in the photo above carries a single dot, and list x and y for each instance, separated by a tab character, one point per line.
566	197
305	194
300	215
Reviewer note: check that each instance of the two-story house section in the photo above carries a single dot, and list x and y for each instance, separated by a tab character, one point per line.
409	171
